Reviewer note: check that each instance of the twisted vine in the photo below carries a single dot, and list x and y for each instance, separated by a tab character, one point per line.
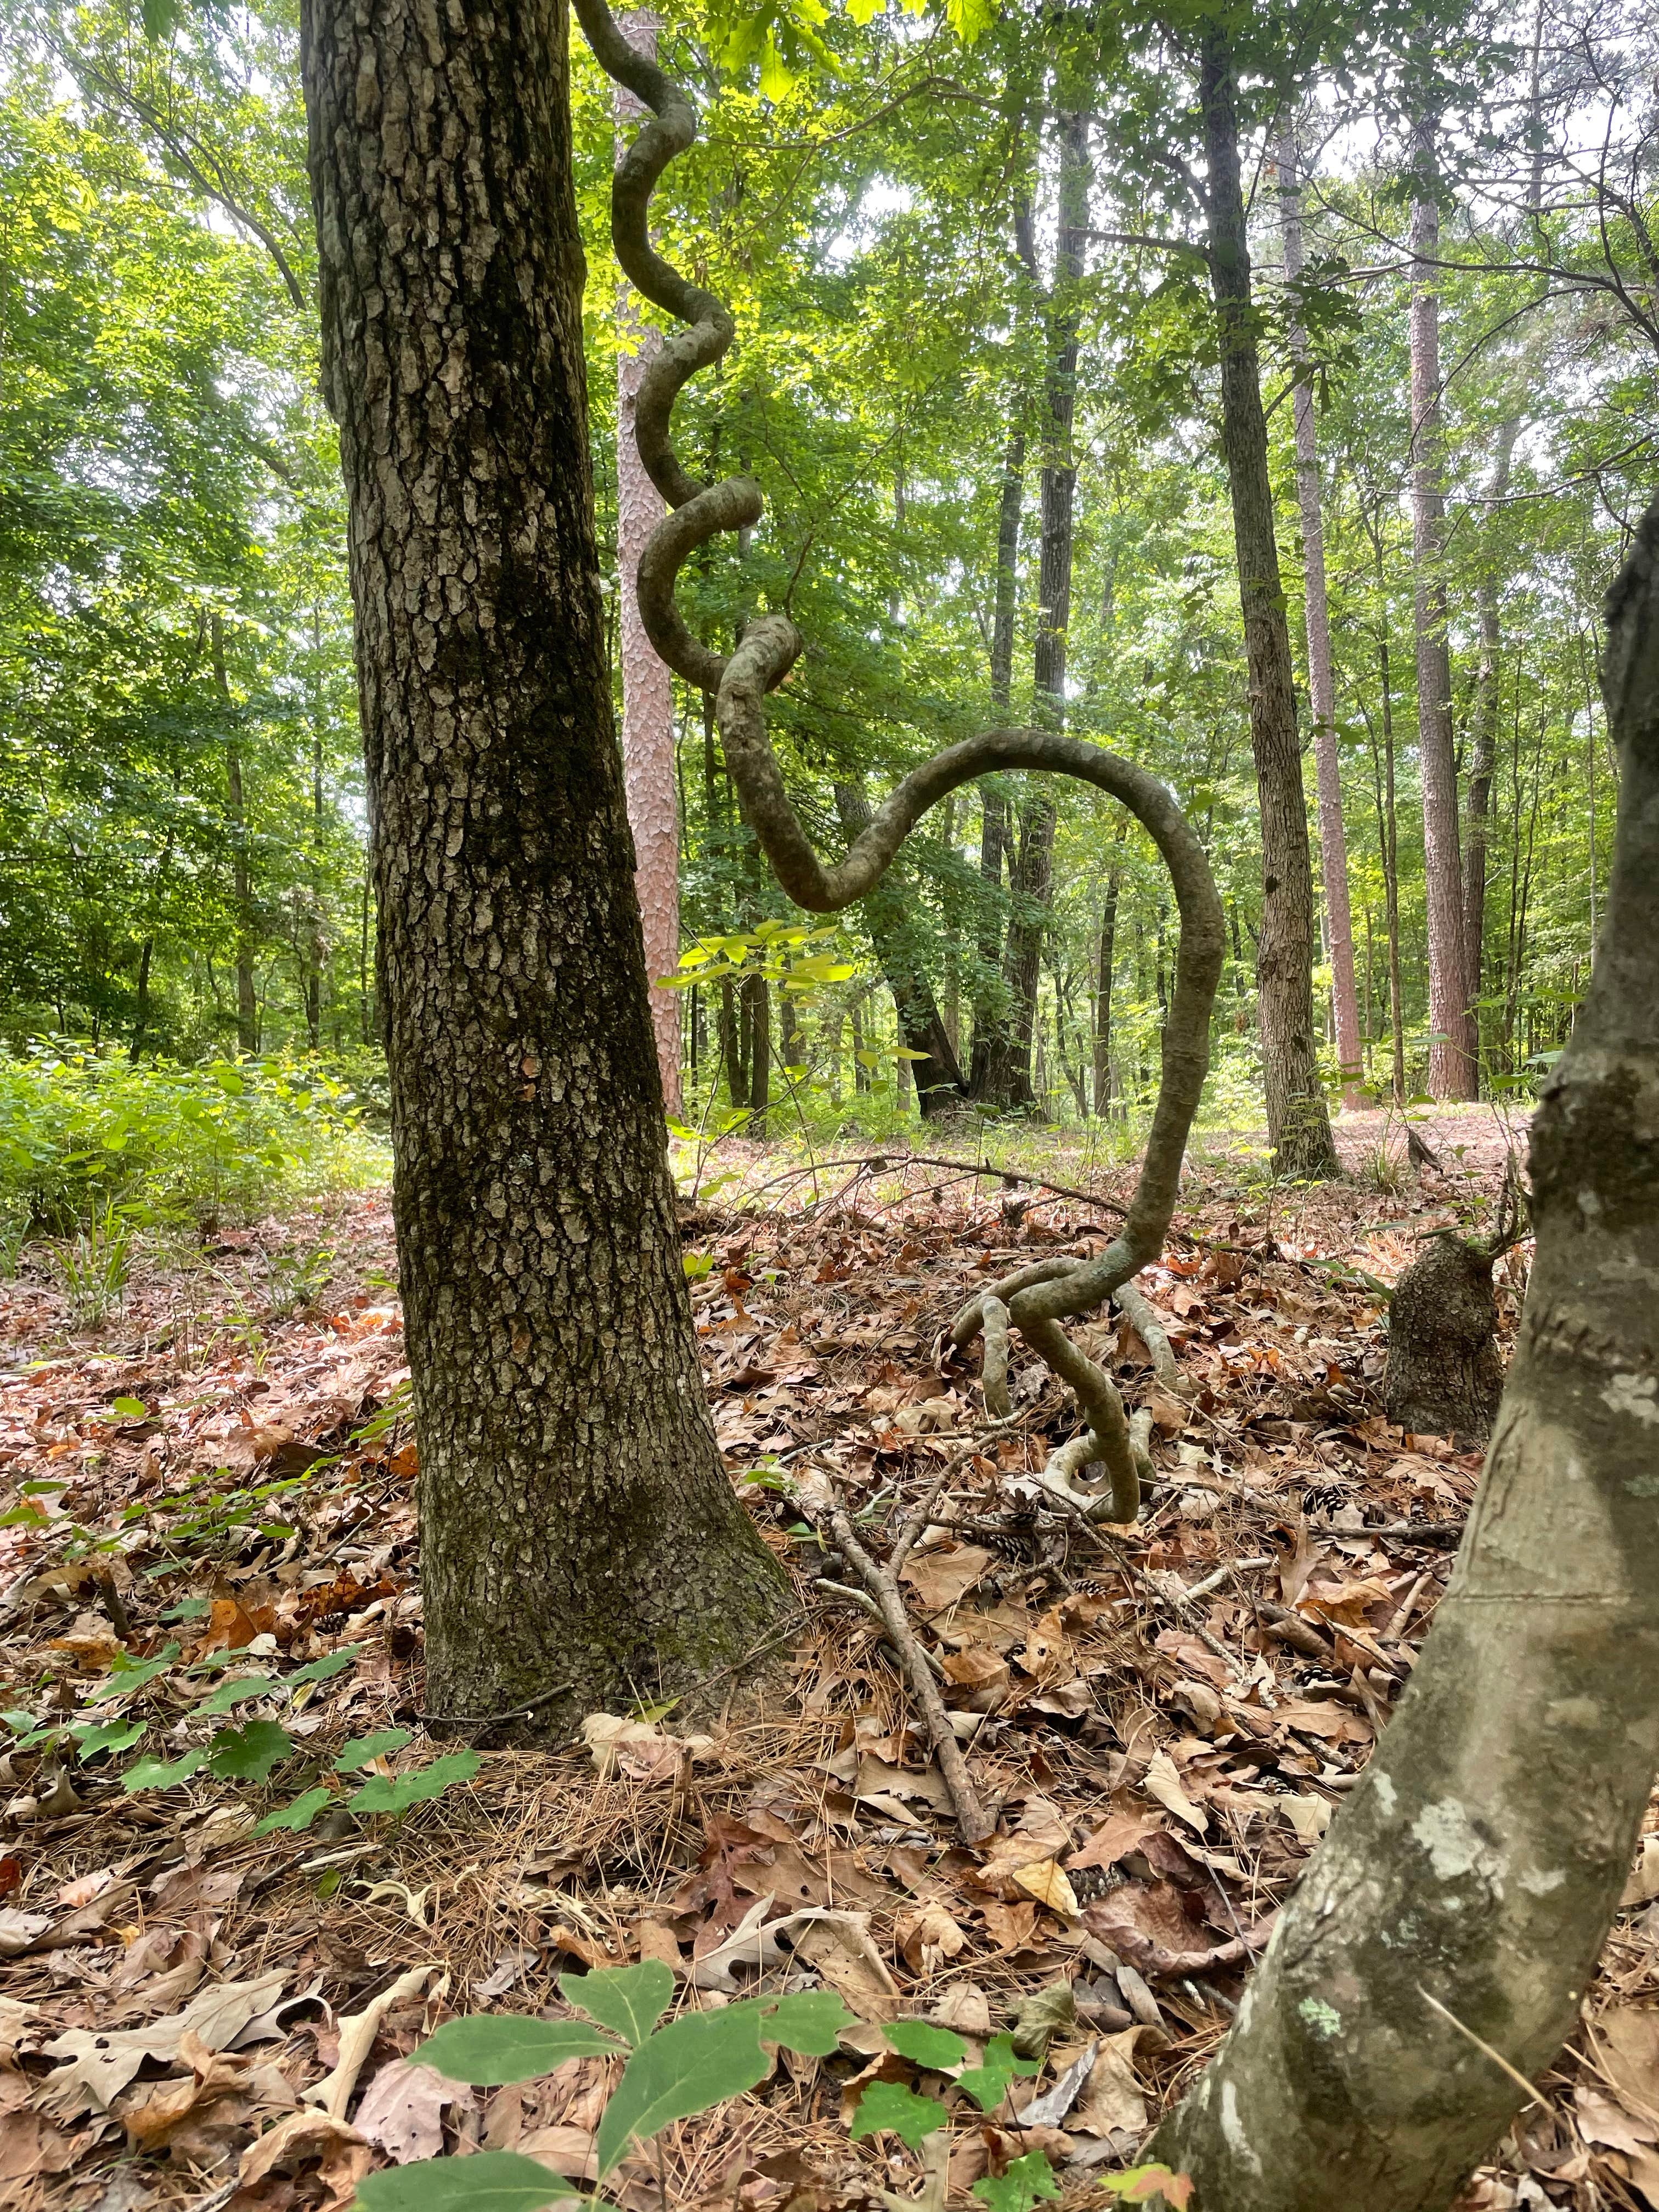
1035	1299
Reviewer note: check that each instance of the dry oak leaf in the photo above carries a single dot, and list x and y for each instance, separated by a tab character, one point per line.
104	2063
1161	1782
403	2107
1114	1840
942	1578
1045	1880
572	2152
152	2123
1011	1927
926	1937
982	1673
1643	1883
1601	2121
639	1749
1112	2098
341	2155
1625	2040
1308	1814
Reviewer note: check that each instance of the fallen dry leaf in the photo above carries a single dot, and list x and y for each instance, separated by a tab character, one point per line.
102	2064
1161	1782
1045	1880
926	1937
942	1578
403	2107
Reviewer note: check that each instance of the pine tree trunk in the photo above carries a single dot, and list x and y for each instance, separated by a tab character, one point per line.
1322	682
581	1543
940	1086
1468	1883
1451	1061
647	688
1483	746
1298	1125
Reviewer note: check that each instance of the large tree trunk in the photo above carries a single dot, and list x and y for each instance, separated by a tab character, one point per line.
989	1012
1483	748
580	1544
1322	682
647	687
1451	1060
1298	1125
242	864
940	1086
1456	1908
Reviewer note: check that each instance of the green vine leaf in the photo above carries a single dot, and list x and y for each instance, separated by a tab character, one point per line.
923	2044
491	2049
162	1773
489	2181
987	2082
248	1754
299	1814
1017	2189
362	1749
396	1793
630	1999
318	1670
809	2021
236	1691
900	2111
107	1735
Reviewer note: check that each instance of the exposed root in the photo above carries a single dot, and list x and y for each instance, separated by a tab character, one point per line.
1142	1317
994	1319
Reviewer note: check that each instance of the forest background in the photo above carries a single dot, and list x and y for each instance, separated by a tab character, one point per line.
181	801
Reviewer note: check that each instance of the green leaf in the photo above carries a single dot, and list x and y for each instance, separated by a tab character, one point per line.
987	2082
299	1814
489	2181
363	1748
248	1754
123	1680
236	1690
107	1735
695	2061
491	2049
631	2000
318	1670
134	1409
925	2044
162	1773
1019	2188
809	2021
398	1792
911	2117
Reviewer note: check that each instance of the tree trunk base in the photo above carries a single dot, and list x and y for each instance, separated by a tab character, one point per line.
1444	1376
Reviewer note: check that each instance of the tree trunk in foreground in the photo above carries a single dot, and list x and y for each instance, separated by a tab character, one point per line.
1298	1125
648	743
1321	682
1467	1884
578	1533
1451	1059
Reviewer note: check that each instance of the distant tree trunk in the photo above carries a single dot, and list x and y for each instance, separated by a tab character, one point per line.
1458	1906
1483	746
1321	684
757	1050
141	1019
939	1081
580	1545
1298	1125
647	687
242	869
990	1016
1030	920
1105	952
1451	1061
314	964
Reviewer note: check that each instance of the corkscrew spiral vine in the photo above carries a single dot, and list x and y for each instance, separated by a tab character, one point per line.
1035	1299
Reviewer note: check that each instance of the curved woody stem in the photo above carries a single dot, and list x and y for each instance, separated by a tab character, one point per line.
1036	1298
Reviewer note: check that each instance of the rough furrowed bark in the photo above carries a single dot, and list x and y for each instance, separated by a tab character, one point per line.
766	652
1458	1904
580	1538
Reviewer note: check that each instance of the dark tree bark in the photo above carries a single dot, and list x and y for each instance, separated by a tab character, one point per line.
580	1540
1444	1377
1298	1124
1468	1883
242	864
940	1086
1105	956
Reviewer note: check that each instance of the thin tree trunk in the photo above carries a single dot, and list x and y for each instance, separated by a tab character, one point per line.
241	871
988	1007
757	1051
1455	1910
1451	1062
141	1019
649	747
1105	951
580	1545
1483	747
1298	1124
1321	684
939	1081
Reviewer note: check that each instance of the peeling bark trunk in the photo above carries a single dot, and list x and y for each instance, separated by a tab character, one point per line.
581	1543
1451	1060
940	1086
647	688
1322	682
1469	1882
1298	1125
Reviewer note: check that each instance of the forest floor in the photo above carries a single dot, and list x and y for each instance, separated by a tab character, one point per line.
1164	1717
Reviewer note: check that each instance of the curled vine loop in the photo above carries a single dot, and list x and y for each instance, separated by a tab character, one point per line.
1034	1299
